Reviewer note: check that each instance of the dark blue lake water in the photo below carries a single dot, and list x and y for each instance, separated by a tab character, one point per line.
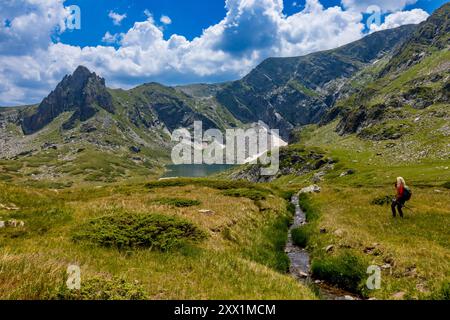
195	170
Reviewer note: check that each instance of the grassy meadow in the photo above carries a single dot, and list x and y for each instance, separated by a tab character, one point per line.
352	213
221	239
239	255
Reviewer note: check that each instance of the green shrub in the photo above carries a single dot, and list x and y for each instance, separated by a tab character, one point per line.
446	185
154	231
254	195
178	202
103	289
300	236
346	271
382	201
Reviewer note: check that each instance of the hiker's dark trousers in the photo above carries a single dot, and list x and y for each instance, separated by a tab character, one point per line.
397	205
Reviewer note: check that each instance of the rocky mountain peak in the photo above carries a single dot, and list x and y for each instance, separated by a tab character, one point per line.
84	93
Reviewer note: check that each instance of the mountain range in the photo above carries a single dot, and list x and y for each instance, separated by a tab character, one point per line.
89	132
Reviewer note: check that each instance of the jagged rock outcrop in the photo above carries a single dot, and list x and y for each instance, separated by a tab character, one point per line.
83	93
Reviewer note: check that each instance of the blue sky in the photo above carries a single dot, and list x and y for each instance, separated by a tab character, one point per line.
189	18
176	41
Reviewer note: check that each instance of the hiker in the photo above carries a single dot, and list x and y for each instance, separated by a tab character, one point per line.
403	195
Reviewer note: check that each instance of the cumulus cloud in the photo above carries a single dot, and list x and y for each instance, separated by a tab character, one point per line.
112	38
116	17
27	25
400	18
165	20
384	5
251	31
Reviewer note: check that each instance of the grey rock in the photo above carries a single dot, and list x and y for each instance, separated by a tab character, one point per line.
311	189
206	212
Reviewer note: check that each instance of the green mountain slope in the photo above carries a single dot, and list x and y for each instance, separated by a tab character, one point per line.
406	98
287	92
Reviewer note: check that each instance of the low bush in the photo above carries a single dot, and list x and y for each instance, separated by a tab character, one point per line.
178	202
346	271
153	231
382	201
254	195
446	185
103	289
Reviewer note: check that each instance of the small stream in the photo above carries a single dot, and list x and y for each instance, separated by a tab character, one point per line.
300	262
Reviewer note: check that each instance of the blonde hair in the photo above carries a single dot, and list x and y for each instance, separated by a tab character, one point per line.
400	180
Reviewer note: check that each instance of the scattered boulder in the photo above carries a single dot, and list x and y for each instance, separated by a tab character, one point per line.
88	128
135	149
339	232
207	212
311	189
411	272
329	248
399	295
421	287
368	250
318	177
347	173
2	224
14	223
323	231
373	250
303	274
10	207
48	146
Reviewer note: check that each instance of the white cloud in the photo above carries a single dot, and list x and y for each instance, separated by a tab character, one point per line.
112	38
384	5
148	14
251	31
165	20
27	25
400	18
116	17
